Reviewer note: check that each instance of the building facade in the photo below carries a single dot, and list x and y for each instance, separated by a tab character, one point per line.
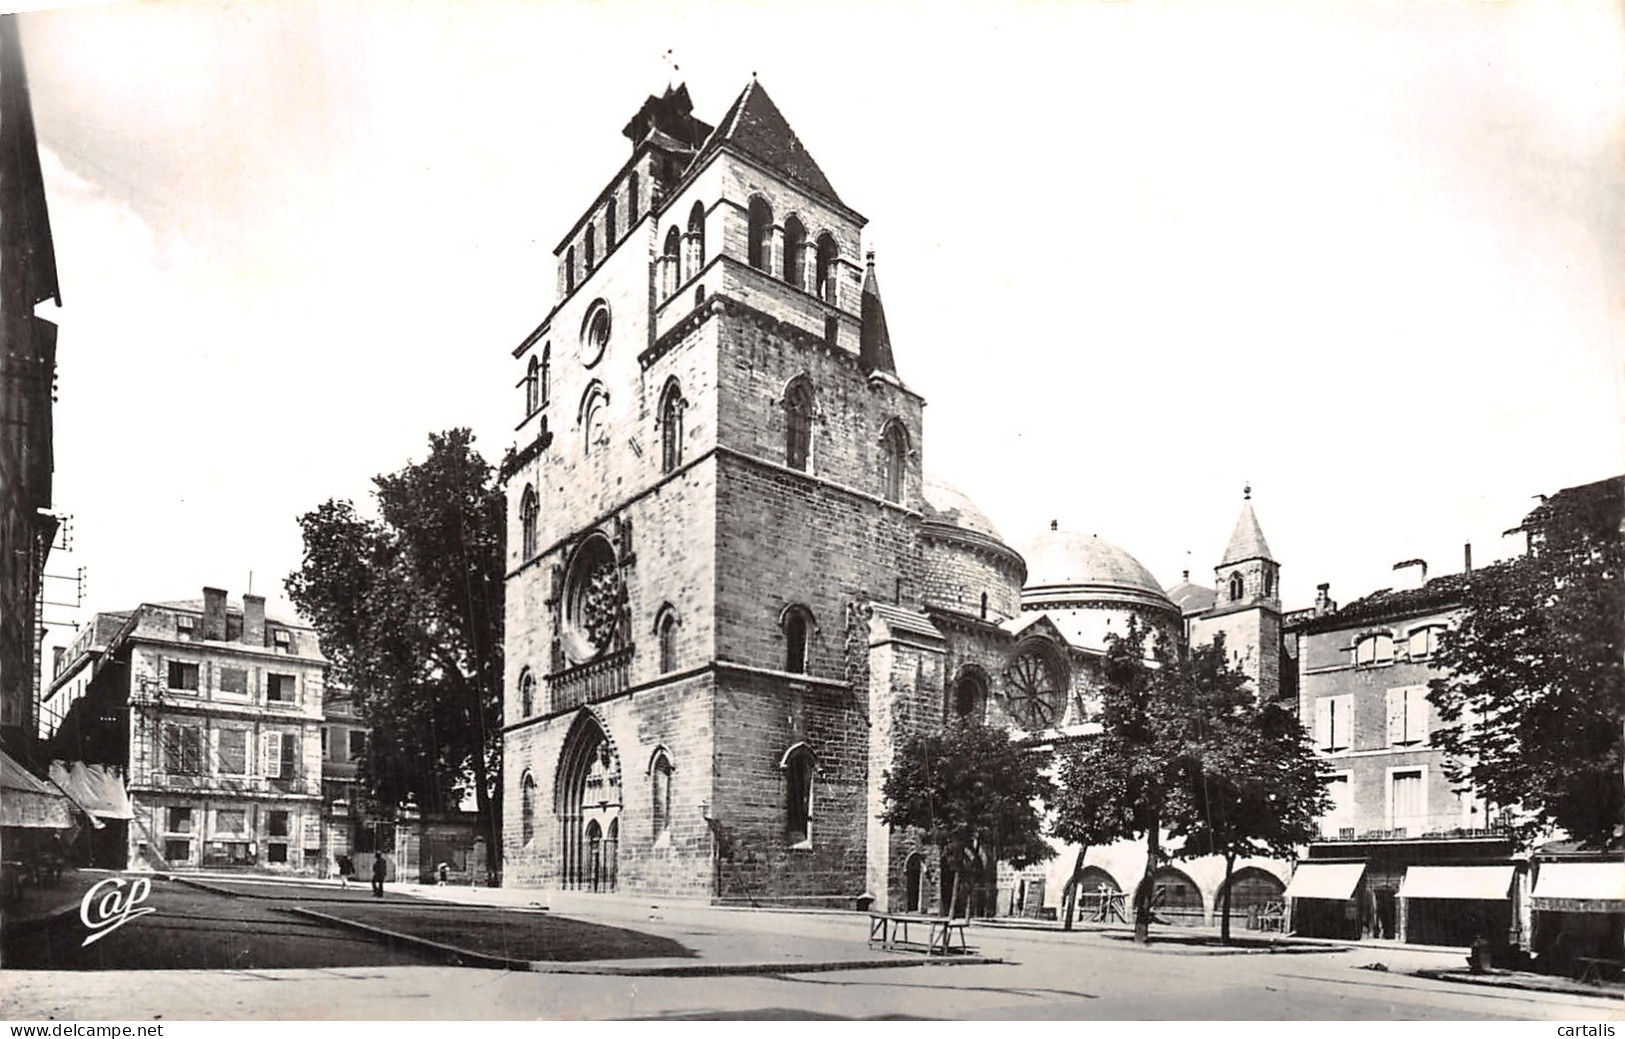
213	713
733	591
27	392
1403	853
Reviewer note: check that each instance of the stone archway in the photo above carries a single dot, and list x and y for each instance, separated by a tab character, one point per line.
587	793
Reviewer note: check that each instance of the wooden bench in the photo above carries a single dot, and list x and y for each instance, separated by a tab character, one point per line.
891	931
1597	969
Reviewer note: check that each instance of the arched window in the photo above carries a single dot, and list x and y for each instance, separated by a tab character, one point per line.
527	808
696	228
798	626
660	787
761	234
970	696
894	460
1269	583
590	246
798	412
609	225
594	600
798	766
1238	587
795	241
544	377
1374	650
570	269
827	255
533	398
595	334
672	406
666	634
631	199
527	693
671	256
1424	642
528	509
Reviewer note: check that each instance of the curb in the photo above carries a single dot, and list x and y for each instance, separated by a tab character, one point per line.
1503	981
468	958
698	970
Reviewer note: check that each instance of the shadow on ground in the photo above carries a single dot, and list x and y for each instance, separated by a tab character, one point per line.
517	935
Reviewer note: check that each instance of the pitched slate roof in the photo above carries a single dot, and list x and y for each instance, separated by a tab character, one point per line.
1439	593
755	126
874	343
1247	540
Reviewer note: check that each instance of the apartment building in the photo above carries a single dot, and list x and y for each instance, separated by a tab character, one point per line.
213	713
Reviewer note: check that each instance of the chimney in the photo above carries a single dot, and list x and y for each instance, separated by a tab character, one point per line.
1467	558
57	653
253	620
1421	577
1323	598
214	614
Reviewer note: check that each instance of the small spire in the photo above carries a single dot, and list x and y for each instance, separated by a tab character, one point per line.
869	259
1055	524
1247	491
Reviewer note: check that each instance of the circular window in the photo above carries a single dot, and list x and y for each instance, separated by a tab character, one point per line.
593	599
595	334
1035	690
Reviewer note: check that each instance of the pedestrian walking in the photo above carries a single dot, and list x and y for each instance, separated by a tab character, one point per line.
345	869
378	871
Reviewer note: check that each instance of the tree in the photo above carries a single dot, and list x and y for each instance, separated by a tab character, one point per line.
1533	694
1256	786
408	607
1129	781
976	795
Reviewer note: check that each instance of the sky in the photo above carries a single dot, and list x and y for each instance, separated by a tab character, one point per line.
1366	257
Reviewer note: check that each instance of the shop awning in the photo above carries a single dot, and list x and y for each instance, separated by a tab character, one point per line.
1334	880
30	802
1580	887
97	788
1473	883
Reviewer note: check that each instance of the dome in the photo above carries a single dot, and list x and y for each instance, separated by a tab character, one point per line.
1065	565
947	505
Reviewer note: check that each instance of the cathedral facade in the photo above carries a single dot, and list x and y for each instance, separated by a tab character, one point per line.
732	589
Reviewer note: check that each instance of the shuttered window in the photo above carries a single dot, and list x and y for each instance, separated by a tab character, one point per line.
1408	716
1334	723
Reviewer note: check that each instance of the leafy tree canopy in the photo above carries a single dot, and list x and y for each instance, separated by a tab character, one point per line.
408	607
976	794
1534	693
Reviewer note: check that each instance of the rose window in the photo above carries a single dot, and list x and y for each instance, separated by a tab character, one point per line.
1034	694
594	600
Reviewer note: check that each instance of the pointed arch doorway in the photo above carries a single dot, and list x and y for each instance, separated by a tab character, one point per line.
588	806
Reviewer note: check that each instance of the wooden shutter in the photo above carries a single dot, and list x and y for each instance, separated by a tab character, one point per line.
1416	711
1396	716
271	754
1323	723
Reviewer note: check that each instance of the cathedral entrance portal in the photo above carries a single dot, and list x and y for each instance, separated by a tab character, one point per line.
588	807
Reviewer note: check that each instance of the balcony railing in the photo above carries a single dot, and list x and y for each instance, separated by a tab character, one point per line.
595	680
1333	832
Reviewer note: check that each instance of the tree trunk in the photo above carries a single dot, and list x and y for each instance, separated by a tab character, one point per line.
1224	899
953	892
1072	886
1142	894
482	803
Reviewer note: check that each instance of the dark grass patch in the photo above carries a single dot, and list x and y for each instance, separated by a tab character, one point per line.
516	935
200	930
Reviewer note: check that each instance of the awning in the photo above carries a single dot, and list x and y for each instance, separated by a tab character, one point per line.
1474	883
96	788
1580	887
28	801
1334	880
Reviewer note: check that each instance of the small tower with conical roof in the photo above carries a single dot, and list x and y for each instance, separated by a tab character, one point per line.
1247	606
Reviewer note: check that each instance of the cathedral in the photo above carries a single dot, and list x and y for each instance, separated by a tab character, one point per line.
732	589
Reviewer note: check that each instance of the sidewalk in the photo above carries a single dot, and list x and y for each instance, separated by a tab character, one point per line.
1528	981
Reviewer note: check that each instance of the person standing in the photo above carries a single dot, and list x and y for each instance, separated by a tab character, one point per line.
378	871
